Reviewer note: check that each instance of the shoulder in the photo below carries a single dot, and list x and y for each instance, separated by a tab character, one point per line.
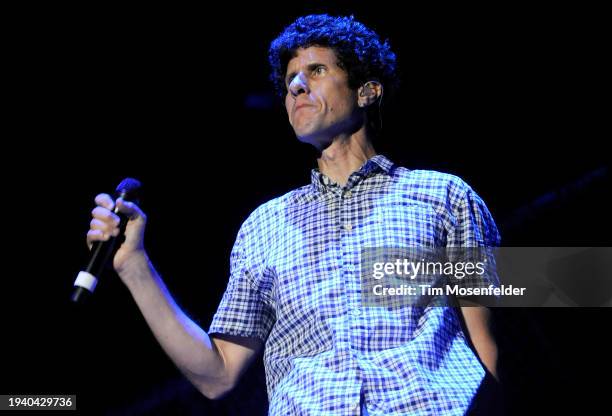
270	214
431	182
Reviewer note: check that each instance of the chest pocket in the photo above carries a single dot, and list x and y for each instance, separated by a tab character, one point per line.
407	223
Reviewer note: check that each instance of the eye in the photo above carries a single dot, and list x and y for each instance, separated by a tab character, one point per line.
320	70
287	83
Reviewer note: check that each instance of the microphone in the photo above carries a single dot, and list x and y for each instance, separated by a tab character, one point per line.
103	251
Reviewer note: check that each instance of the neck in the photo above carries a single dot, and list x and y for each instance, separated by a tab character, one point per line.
344	156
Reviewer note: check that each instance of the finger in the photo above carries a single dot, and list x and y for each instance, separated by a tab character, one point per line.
105	215
105	227
104	200
130	209
96	235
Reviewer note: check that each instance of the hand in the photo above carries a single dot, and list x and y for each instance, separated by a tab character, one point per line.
105	223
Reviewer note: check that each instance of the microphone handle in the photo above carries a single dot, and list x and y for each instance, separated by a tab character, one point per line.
101	253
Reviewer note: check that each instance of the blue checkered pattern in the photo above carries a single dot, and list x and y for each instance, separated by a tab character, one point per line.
295	284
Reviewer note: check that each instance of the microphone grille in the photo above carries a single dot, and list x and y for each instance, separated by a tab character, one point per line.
128	186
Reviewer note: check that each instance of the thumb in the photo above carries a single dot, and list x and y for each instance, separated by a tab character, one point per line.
130	209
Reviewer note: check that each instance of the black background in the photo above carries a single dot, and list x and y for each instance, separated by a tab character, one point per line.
510	99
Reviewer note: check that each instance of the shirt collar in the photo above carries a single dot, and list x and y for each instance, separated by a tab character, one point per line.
376	163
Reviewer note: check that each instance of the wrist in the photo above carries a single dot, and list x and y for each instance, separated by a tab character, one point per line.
135	267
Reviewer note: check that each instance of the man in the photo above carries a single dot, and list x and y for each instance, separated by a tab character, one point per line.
294	282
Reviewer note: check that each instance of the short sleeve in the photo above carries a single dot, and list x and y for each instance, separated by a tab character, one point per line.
246	309
474	225
473	238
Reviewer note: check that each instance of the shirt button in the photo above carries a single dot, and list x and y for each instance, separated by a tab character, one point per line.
356	312
350	268
348	227
348	194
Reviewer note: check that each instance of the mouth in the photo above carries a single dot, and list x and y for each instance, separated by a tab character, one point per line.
300	107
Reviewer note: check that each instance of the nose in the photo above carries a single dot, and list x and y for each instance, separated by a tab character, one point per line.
298	85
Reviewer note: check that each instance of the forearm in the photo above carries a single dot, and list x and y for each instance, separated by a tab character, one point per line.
478	322
487	351
189	347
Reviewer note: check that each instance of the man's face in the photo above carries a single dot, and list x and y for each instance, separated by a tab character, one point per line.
319	102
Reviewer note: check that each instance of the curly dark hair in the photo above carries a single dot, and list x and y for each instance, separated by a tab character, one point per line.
359	50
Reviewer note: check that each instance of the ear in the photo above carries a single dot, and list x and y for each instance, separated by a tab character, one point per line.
368	93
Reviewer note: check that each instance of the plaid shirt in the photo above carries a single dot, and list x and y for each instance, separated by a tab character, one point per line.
295	284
